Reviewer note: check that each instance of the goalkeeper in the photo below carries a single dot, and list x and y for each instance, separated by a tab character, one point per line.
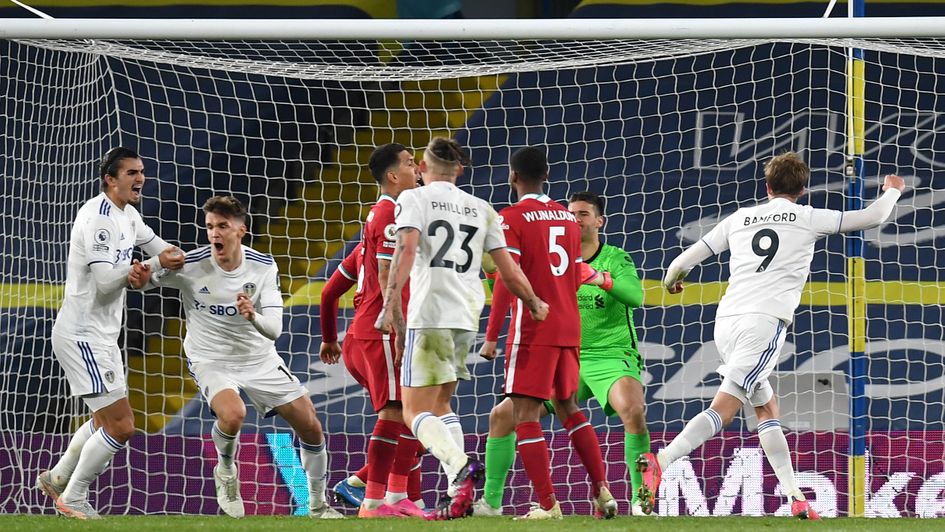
610	361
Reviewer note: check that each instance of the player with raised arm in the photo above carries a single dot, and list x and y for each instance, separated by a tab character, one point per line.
85	336
772	245
610	361
233	307
442	233
541	360
369	354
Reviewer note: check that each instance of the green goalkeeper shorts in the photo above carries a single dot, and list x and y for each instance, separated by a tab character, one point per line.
600	370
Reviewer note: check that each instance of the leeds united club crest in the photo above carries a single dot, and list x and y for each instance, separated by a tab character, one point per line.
249	289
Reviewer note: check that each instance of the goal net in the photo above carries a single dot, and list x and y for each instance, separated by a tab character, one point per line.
673	133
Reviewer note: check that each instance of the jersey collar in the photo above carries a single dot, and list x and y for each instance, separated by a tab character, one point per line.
600	247
385	197
112	203
234	272
539	197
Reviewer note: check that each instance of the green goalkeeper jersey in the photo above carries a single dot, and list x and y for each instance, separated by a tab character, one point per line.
607	317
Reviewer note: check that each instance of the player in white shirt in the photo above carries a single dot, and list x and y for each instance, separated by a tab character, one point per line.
233	306
85	336
441	235
771	246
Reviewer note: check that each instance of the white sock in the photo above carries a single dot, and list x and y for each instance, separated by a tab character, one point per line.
702	427
776	450
356	482
226	447
451	421
97	451
435	436
66	465
315	463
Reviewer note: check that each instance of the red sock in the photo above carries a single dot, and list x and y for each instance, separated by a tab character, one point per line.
534	452
404	460
380	457
362	473
414	491
585	442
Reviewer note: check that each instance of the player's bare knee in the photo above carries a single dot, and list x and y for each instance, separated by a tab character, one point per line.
231	419
634	418
311	432
501	413
565	408
121	429
501	419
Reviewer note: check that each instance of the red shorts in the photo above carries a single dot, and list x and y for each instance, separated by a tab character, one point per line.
371	363
542	371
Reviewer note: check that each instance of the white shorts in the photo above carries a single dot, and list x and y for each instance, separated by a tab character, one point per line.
268	383
750	347
435	356
92	369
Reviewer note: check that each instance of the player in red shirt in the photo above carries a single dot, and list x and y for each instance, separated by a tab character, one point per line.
541	360
351	490
345	276
392	449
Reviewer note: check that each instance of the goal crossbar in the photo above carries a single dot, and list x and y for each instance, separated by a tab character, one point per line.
471	29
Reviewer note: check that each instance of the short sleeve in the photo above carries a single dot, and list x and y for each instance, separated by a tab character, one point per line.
407	213
144	235
101	242
349	266
506	222
825	222
271	295
384	233
717	238
495	237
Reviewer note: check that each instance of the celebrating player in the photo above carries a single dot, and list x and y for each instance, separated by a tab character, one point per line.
233	306
610	361
441	235
85	335
541	361
771	246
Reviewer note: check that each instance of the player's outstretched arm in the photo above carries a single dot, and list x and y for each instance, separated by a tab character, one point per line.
110	278
679	268
517	283
340	282
626	287
139	277
879	211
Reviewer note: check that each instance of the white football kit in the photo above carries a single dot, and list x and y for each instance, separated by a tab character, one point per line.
85	335
224	350
771	246
446	294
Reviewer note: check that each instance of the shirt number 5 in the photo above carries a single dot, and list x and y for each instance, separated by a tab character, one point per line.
555	232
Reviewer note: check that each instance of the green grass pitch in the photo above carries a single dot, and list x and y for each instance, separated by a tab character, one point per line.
35	523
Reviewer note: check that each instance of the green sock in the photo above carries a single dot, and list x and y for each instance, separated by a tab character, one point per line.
500	454
633	446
